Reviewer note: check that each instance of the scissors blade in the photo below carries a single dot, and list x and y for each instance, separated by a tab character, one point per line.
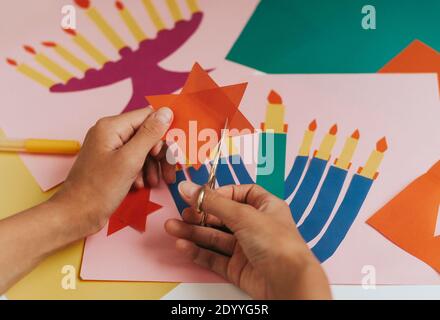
215	162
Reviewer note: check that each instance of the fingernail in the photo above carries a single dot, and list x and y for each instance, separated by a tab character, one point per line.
188	189
164	115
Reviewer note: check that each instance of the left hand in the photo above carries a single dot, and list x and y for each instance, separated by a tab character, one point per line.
118	152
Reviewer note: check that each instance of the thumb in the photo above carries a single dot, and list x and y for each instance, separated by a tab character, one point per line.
149	133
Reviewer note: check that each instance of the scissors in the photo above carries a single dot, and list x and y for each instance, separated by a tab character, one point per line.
212	176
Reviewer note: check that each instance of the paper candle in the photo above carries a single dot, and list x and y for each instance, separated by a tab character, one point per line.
274	114
67	55
344	160
175	10
49	64
375	159
31	73
193	6
154	15
130	22
102	24
88	48
306	144
327	144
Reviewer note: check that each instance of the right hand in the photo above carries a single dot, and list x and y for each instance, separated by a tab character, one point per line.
264	254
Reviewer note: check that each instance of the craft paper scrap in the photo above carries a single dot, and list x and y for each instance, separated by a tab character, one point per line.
371	169
411	219
202	105
133	211
65	84
19	191
416	58
346	36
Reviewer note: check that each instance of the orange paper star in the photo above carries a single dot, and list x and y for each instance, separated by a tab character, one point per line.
133	212
206	104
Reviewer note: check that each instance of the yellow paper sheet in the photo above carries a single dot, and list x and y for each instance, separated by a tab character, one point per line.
19	191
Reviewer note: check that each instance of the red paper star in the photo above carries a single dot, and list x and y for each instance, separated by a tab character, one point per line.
133	212
204	102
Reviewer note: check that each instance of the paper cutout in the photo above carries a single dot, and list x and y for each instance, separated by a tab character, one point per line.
292	36
273	161
199	176
323	207
409	220
437	226
240	170
307	188
416	58
205	104
224	176
295	175
178	200
140	65
344	218
133	212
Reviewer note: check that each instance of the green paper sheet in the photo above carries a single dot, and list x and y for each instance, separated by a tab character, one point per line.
322	36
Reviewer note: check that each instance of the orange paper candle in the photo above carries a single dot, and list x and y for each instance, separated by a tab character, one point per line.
306	144
375	159
327	144
344	160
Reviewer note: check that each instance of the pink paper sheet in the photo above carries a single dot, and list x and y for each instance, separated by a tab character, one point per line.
30	110
404	108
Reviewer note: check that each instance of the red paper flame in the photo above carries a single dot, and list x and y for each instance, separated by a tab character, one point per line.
274	98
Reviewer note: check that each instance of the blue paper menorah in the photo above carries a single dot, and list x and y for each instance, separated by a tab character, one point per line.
303	182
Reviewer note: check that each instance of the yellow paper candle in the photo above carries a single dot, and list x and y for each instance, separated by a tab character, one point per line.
87	46
49	64
306	144
375	159
67	55
130	22
154	15
175	10
327	144
102	24
344	160
275	110
193	6
32	73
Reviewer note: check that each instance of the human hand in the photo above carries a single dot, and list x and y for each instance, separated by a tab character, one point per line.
264	254
118	152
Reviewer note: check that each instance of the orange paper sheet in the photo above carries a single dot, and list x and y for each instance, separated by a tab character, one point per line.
416	58
410	219
208	105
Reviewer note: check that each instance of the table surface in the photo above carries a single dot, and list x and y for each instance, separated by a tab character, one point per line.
227	291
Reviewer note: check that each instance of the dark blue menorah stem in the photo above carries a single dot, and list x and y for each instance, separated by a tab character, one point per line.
173	187
324	205
295	175
307	188
240	170
200	176
344	217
